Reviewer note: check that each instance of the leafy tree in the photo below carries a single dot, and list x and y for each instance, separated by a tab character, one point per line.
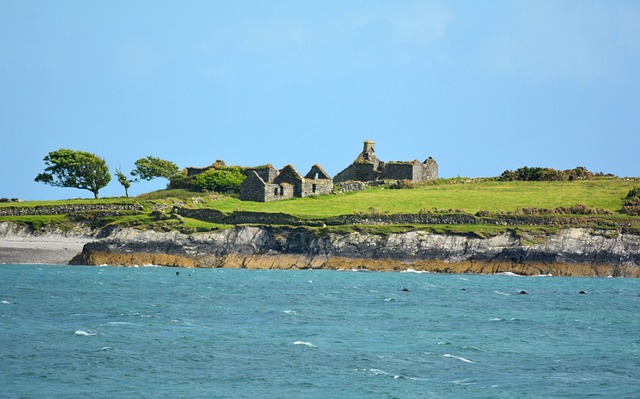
124	180
220	180
76	169
151	167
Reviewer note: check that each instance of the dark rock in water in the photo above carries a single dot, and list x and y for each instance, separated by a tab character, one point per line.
405	290
523	292
583	292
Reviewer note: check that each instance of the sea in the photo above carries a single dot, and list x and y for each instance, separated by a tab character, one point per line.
159	332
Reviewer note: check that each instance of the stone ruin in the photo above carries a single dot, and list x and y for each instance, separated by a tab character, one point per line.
367	168
266	183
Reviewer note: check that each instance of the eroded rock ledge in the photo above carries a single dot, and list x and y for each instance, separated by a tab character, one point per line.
570	252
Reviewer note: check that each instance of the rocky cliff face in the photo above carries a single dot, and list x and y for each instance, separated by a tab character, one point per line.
573	251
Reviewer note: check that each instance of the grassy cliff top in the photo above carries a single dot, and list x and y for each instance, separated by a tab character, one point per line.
468	195
606	195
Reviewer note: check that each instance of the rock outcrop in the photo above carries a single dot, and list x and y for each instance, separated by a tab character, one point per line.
572	251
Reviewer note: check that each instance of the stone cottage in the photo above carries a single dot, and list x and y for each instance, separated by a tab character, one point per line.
367	167
265	184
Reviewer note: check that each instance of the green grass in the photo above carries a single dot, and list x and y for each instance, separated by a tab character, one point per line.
486	195
39	221
108	200
465	195
202	226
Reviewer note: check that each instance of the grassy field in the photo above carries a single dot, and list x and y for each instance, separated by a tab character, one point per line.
471	197
458	195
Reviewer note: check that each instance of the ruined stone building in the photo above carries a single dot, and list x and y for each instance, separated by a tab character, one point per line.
194	171
367	167
266	183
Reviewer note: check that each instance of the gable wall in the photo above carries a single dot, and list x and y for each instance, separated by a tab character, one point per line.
252	189
322	187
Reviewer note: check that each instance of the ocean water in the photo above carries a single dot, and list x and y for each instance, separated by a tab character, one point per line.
113	332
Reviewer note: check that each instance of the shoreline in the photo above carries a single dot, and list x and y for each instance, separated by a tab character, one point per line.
45	250
67	251
569	252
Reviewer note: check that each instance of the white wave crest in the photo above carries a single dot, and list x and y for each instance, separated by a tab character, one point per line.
309	344
414	271
458	358
385	373
85	333
509	274
6	302
293	312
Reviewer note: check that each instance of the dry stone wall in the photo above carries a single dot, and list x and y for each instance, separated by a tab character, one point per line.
105	209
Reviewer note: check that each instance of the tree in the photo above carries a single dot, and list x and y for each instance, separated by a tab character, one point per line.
151	167
220	180
124	180
76	169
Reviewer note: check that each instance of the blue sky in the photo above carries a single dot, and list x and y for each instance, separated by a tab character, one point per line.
481	86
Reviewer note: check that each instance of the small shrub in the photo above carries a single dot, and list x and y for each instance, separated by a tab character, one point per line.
4	199
402	184
577	209
220	180
181	180
631	204
546	174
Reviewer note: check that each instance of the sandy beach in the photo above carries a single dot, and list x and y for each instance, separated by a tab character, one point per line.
50	250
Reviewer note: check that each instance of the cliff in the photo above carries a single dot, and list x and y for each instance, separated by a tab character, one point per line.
570	252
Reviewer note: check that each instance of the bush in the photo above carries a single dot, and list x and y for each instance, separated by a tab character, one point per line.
181	180
402	184
631	204
633	193
223	180
546	174
577	209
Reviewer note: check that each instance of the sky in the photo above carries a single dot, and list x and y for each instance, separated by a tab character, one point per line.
480	86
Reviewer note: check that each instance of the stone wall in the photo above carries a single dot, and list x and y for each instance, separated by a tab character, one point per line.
253	188
105	209
412	170
312	188
267	173
276	192
259	218
290	175
429	169
403	171
350	186
367	167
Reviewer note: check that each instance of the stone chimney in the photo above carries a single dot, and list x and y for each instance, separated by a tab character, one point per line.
368	147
